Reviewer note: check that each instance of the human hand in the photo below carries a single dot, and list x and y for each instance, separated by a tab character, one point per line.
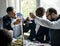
17	21
27	19
32	15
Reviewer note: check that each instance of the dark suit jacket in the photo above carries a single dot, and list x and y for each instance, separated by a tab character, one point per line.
7	22
55	36
40	34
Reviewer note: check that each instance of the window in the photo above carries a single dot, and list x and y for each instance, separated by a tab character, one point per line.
51	3
28	6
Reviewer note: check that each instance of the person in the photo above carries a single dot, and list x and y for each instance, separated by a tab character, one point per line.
39	34
41	31
28	26
53	25
7	18
5	38
50	14
10	18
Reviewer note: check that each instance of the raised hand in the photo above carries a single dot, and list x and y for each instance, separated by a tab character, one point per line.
17	21
32	15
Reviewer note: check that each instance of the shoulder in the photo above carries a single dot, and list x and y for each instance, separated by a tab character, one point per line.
6	17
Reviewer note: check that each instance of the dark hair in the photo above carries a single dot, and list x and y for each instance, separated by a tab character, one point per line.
52	10
5	37
40	11
9	9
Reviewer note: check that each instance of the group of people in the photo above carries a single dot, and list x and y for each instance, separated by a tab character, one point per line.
39	27
49	27
52	22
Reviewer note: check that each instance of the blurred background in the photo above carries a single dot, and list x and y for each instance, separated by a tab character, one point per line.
26	6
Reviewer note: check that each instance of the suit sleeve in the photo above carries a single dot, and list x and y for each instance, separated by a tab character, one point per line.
6	23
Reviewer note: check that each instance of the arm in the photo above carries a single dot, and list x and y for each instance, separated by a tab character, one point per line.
47	23
16	22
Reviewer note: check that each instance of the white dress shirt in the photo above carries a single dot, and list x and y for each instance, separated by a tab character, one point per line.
16	29
37	27
47	23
